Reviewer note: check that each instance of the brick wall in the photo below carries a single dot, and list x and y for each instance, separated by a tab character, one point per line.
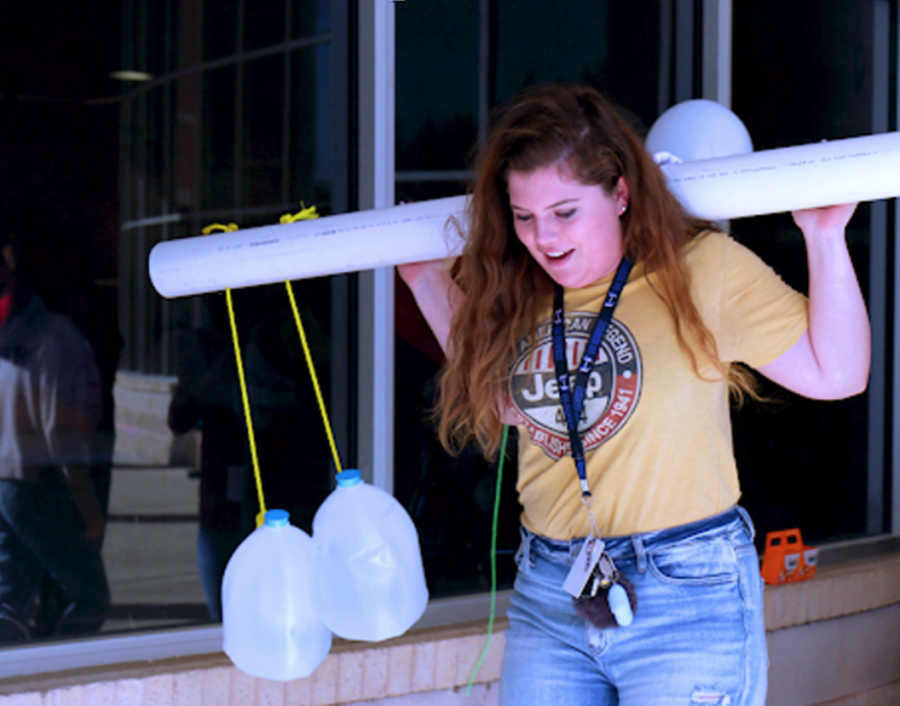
832	640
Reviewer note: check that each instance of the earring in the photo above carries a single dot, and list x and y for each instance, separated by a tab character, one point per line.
623	209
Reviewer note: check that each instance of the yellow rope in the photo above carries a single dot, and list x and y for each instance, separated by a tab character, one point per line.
312	374
260	518
302	215
220	228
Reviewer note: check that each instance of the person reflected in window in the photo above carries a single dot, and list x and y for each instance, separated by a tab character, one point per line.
50	401
294	456
589	310
64	280
207	397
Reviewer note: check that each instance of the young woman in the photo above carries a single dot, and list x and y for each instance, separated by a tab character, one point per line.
565	200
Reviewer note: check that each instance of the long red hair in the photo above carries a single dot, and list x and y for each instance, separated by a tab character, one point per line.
506	290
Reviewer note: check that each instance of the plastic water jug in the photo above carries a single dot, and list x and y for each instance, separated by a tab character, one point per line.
369	576
270	623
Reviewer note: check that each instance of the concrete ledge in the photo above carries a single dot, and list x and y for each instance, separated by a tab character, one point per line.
854	587
833	659
887	695
434	663
429	660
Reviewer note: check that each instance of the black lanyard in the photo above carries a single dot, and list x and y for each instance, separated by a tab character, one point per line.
572	400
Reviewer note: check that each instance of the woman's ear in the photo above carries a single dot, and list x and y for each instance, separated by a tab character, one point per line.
622	195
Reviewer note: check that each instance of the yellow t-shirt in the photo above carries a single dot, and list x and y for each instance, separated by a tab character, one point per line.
657	437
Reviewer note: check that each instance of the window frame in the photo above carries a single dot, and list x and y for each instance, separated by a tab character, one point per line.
376	178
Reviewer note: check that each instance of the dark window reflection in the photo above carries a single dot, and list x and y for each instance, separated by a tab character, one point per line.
263	131
437	84
59	350
804	463
184	146
539	42
310	18
451	499
612	46
264	23
293	454
232	141
311	128
219	90
156	174
220	28
424	190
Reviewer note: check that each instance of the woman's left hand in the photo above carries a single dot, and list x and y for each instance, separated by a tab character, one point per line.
826	221
832	359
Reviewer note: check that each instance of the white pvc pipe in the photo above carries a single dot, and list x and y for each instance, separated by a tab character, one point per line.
772	181
790	178
347	242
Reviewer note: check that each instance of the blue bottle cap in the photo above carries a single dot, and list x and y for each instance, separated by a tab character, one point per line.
347	479
277	518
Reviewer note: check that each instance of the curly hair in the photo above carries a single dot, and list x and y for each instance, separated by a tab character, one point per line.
506	290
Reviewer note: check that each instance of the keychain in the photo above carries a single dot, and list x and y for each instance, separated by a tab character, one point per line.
609	599
602	596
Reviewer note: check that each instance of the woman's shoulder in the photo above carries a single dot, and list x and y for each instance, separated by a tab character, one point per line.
716	250
722	268
708	243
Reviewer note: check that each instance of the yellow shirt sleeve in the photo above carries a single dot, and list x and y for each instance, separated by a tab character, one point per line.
753	314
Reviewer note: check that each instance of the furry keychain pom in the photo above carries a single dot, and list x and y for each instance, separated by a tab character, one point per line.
596	609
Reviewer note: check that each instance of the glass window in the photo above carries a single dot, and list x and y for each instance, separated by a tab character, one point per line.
188	30
245	141
184	147
612	46
537	42
220	29
264	24
160	54
437	84
262	138
438	88
310	18
155	191
219	117
240	142
311	127
138	165
813	465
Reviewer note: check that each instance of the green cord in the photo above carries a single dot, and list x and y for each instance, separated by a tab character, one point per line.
490	630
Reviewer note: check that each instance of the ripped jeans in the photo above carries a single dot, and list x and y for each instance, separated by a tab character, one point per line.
698	635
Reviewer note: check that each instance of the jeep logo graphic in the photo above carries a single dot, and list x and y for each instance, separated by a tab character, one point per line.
613	386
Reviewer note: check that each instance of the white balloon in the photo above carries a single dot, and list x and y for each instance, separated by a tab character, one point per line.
698	129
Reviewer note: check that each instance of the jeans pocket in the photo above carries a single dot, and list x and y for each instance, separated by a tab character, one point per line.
523	556
697	563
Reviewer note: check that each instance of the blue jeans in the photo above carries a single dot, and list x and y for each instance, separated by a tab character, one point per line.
41	530
698	635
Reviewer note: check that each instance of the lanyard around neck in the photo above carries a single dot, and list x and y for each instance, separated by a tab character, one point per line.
572	397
